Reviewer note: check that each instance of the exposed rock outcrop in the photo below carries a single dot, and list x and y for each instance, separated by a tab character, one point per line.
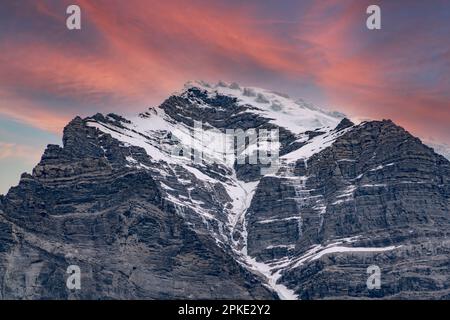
143	223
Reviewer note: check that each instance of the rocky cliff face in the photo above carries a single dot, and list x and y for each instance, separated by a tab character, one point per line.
143	222
83	206
377	187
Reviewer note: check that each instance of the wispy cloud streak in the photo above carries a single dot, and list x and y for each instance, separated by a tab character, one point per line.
132	54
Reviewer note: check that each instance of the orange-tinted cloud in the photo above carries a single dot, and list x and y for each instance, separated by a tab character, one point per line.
148	50
400	73
133	54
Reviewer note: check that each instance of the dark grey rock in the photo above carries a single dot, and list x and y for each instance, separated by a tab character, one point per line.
376	182
84	204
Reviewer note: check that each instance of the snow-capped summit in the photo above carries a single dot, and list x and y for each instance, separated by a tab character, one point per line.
179	202
302	131
295	115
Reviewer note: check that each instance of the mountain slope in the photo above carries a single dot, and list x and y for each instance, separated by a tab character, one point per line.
166	205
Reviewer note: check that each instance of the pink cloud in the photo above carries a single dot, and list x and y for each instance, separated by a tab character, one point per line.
148	49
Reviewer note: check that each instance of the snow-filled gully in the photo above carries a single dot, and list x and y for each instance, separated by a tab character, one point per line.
296	117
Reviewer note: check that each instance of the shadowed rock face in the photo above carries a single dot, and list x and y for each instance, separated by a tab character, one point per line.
377	183
83	207
143	228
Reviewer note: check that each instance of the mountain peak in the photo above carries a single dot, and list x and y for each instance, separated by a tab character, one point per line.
341	196
295	115
345	123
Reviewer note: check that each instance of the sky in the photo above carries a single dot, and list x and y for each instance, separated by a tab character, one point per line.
130	55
